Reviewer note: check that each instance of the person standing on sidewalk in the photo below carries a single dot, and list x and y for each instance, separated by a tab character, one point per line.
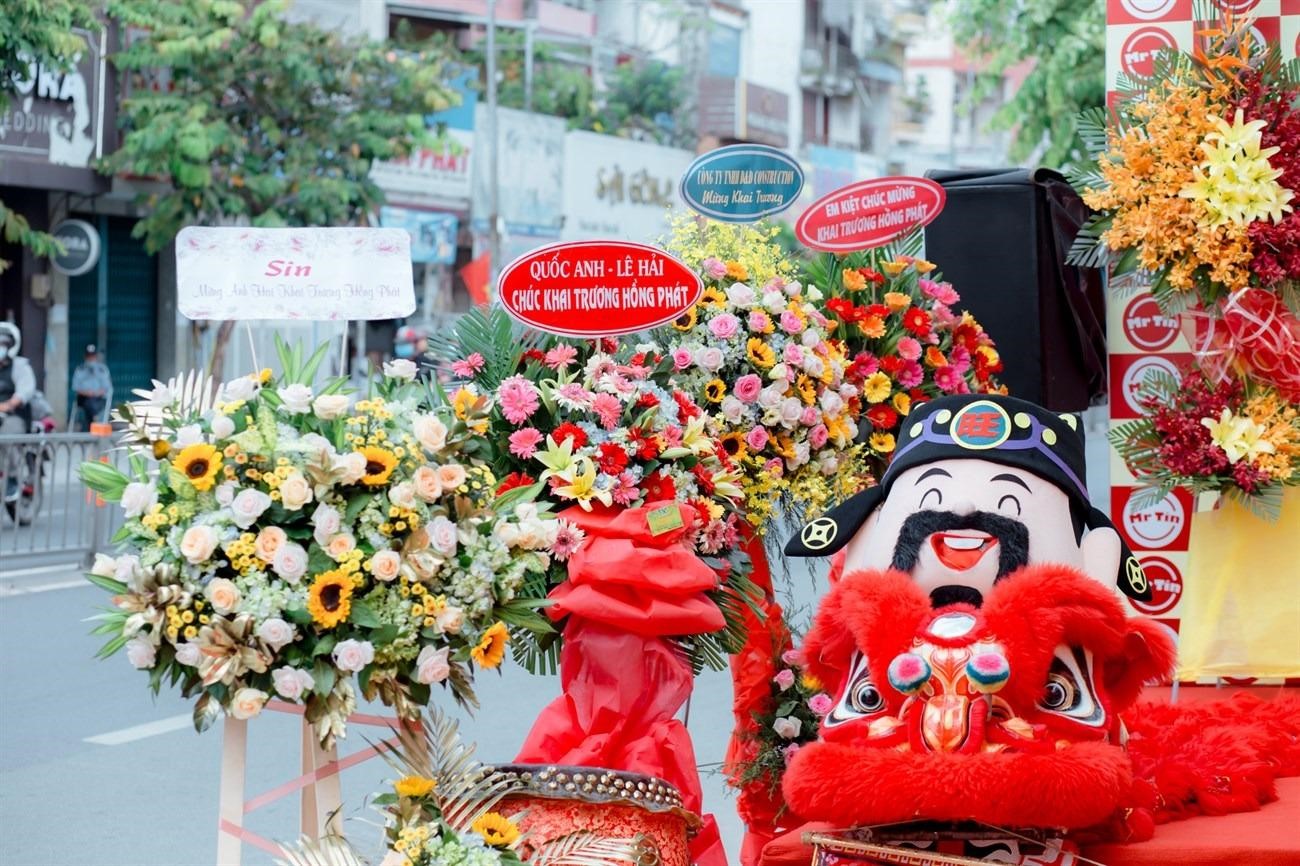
92	383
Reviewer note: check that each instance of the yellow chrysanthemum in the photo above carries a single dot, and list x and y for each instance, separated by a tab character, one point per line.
200	464
414	786
877	387
685	321
380	463
491	649
759	353
496	829
882	443
715	390
329	601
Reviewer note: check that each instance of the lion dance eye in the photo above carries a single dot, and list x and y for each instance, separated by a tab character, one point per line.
866	698
1059	694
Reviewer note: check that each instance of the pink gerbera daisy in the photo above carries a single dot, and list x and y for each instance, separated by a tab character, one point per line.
466	368
560	357
568	538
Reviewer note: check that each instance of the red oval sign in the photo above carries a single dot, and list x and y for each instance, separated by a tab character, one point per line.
1166	586
870	213
597	288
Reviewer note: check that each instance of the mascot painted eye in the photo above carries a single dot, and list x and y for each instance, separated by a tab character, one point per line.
866	698
860	698
1069	690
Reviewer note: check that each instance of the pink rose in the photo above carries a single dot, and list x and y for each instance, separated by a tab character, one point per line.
810	416
748	387
820	704
788	753
724	327
759	322
790	323
681	358
443	536
793	354
353	655
818	435
784	679
710	358
792	657
432	665
787	727
292	682
715	268
756	439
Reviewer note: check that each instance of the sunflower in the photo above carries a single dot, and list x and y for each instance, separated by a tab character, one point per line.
737	271
759	353
685	321
414	786
806	388
200	463
715	390
491	647
496	829
713	298
329	601
733	444
380	463
161	448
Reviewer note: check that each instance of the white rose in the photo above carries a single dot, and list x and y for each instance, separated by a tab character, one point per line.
431	433
787	727
248	505
828	463
432	665
223	594
349	467
831	403
225	492
247	703
710	358
105	566
791	409
290	561
140	653
222	426
774	302
125	567
778	373
326	522
810	338
276	633
802	452
509	534
296	398
385	565
401	368
792	288
238	390
732	409
812	365
295	491
813	294
450	619
290	683
442	536
402	495
769	397
741	295
848	392
189	655
198	543
190	434
353	655
328	407
138	498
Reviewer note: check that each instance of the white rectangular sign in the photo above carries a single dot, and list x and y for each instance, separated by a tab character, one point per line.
618	189
294	273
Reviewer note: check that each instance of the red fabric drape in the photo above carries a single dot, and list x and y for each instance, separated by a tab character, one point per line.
623	682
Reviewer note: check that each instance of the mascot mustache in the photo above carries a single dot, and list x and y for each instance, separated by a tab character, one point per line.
1013	547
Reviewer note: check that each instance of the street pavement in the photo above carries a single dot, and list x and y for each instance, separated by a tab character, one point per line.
94	770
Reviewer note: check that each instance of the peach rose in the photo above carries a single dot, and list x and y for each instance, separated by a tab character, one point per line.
427	485
385	564
198	543
340	546
223	594
295	491
451	476
268	542
247	703
431	433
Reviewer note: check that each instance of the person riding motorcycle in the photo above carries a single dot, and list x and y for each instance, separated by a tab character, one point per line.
17	382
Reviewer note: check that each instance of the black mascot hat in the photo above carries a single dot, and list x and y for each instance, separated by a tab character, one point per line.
988	427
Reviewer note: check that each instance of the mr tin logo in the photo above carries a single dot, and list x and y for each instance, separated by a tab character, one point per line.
1146	327
1138	54
1166	587
1157	527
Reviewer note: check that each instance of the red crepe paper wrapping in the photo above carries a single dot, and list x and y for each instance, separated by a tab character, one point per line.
622	680
1254	332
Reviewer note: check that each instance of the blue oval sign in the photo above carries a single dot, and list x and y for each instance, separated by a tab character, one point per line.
742	183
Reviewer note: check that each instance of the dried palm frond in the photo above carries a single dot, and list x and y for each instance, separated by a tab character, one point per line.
585	848
184	396
327	851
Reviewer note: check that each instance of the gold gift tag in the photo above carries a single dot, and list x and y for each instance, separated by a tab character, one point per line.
664	519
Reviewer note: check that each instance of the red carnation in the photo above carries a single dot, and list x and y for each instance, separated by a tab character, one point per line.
917	321
515	479
612	458
647	401
569	430
686	410
882	416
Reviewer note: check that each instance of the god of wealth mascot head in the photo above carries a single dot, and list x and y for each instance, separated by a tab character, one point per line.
979	656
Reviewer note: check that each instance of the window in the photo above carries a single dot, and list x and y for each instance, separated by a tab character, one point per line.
724	50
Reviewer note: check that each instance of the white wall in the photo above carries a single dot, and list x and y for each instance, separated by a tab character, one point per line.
771	50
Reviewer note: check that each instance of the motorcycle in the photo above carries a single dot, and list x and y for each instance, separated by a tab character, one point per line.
26	470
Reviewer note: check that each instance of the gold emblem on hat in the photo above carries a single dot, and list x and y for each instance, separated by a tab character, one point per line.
1137	578
819	534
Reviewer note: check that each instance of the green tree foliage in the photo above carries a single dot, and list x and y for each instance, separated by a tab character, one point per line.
36	31
561	82
268	121
1066	40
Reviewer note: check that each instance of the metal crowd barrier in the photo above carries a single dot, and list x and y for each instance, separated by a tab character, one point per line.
48	518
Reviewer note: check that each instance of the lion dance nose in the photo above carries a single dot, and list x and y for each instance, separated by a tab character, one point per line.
952	718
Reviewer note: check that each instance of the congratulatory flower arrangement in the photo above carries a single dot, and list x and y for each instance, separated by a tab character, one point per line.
756	353
281	541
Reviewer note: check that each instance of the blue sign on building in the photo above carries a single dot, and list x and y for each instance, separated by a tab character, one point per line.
742	183
433	234
459	116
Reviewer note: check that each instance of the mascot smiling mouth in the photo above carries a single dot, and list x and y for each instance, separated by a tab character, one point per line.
959	542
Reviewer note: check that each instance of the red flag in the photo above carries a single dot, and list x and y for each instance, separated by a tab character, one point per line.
477	275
